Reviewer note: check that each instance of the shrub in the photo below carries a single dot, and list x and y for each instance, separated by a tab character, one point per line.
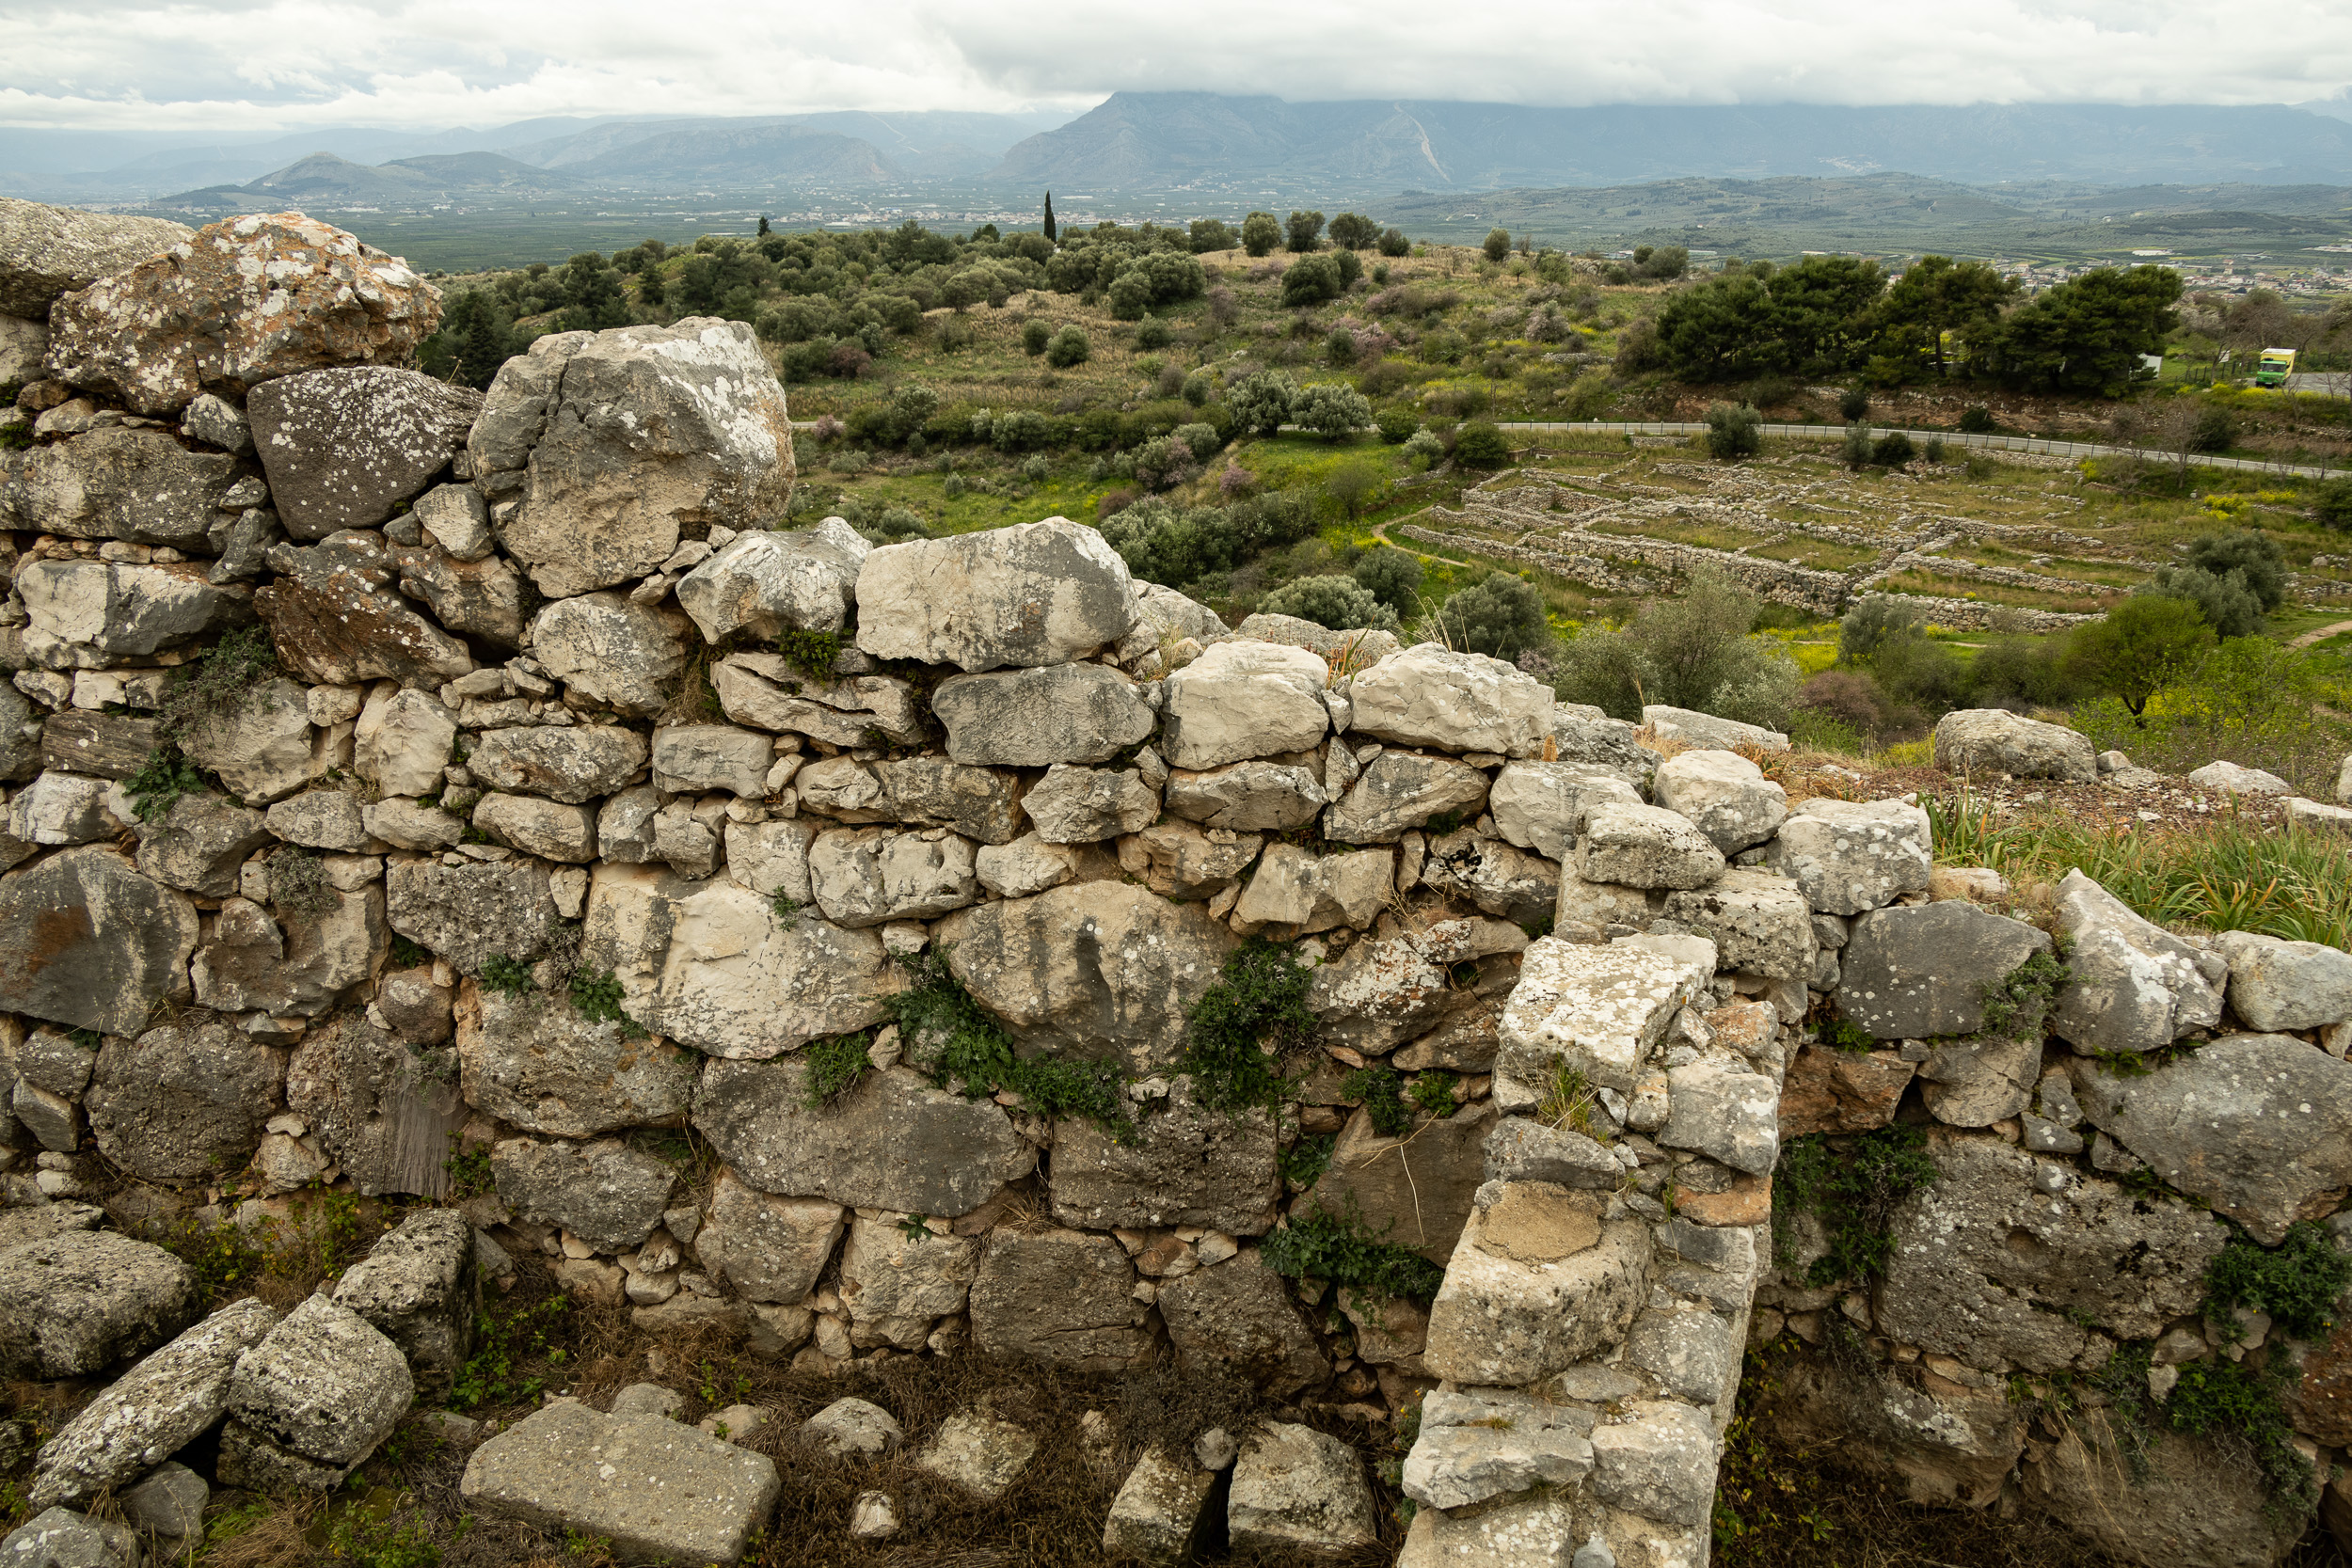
1976	420
2227	603
2247	551
1871	622
1393	243
1261	401
1397	422
2136	648
1481	445
1340	347
1035	335
1390	576
1200	387
1202	438
1856	447
1501	617
1069	347
1853	1193
2216	429
1303	232
1690	652
1734	430
1891	449
1164	461
1423	447
1152	333
1854	404
1334	602
1914	669
1853	700
1309	281
1496	244
1332	409
1260	233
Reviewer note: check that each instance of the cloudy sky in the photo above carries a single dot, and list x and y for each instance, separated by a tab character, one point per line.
261	65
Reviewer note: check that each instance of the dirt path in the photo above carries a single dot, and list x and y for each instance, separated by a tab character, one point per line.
2321	635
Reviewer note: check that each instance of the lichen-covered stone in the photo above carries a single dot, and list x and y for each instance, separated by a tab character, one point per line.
344	447
548	1069
47	252
1062	713
87	941
1453	702
1035	593
74	1303
1062	1297
185	1103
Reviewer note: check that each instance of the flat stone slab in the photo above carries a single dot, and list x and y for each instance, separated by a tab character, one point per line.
660	1491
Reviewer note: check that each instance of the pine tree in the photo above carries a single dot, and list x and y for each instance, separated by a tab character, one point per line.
1049	215
763	225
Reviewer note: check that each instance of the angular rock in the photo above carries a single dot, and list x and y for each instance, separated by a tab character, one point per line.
383	1112
1519	1148
60	1538
137	485
1187	1164
2258	1126
1248	796
471	913
1413	1191
608	651
768	691
473	598
302	963
240	303
1061	1297
1379	995
1991	740
1976	1083
75	1304
1598	1010
419	1287
1027	866
330	819
2131	986
344	447
2279	985
1400	791
1455	1466
1035	593
895	1285
1534	1531
980	803
170	1502
768	583
1537	1283
851	1426
572	764
1183	861
1506	883
979	1453
1299	1490
893	1142
765	1248
2200	1504
697	757
1244	700
658	1490
403	742
1909	973
536	827
411	825
1161	1513
336	614
1451	702
2228	778
1841	1091
1757	920
1542	805
1087	805
93	613
545	1067
47	252
455	517
1944	1444
151	1412
1661	1464
1724	795
1731	1117
1293	888
87	941
184	1102
1852	856
605	1192
1645	846
1238	1316
628	436
265	749
865	876
1064	713
1096	971
1704	729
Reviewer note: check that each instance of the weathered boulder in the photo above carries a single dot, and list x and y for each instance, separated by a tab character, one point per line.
571	765
1031	595
1911	973
1186	1164
1299	1490
1757	920
1164	618
767	1248
1063	713
1399	791
1087	805
658	1489
2279	985
851	1426
60	1538
47	252
23	346
1724	795
1471	1448
2132	985
536	827
471	913
1162	1510
239	302
1244	700
403	741
330	819
1993	740
892	1142
1542	805
1692	728
336	615
1841	1091
75	1302
1026	865
1381	993
1519	1148
265	748
1942	1442
138	485
1237	1315
1183	861
1536	1530
1101	971
301	963
185	1103
544	1068
87	941
2257	1126
1430	696
606	1192
612	652
1596	1009
980	803
1851	856
865	876
897	1285
1246	797
1538	1282
473	598
386	1113
977	1453
2202	1504
1062	1297
2228	778
1295	889
697	757
626	438
768	691
1660	1464
420	1286
92	612
152	1412
1413	1191
62	808
1645	846
456	520
768	583
1503	882
1724	1114
344	447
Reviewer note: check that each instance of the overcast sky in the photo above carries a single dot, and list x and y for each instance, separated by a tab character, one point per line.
259	65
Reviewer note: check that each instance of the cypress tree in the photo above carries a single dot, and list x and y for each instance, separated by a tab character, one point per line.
763	225
1049	215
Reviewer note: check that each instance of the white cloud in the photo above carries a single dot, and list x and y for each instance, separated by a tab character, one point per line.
261	65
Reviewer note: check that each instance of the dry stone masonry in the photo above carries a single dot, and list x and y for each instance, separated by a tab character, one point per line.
391	769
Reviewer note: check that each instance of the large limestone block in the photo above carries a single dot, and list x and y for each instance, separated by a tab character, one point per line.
866	876
62	808
1992	1269
1542	805
1991	740
2132	986
1187	1164
1238	1316
1100	971
302	963
266	748
1921	971
1853	856
543	1066
1451	702
1031	595
608	651
1063	713
2258	1126
471	913
138	485
605	1192
1724	795
1161	1513
87	941
336	616
152	1412
1381	993
1293	888
1533	1531
473	598
892	1142
1181	860
420	1287
658	1489
239	302
2201	1503
47	252
572	764
185	1103
691	759
1503	882
1246	797
342	448
1758	921
1660	1464
1728	1116
1598	1010
768	583
87	613
977	1453
1503	1446
1400	791
1062	1297
403	741
626	438
74	1303
1692	728
1537	1283
1413	1191
536	827
1244	700
1645	846
766	1248
711	965
1297	1490
1026	865
897	1285
1087	805
2277	985
60	1538
768	691
1945	1444
385	1113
